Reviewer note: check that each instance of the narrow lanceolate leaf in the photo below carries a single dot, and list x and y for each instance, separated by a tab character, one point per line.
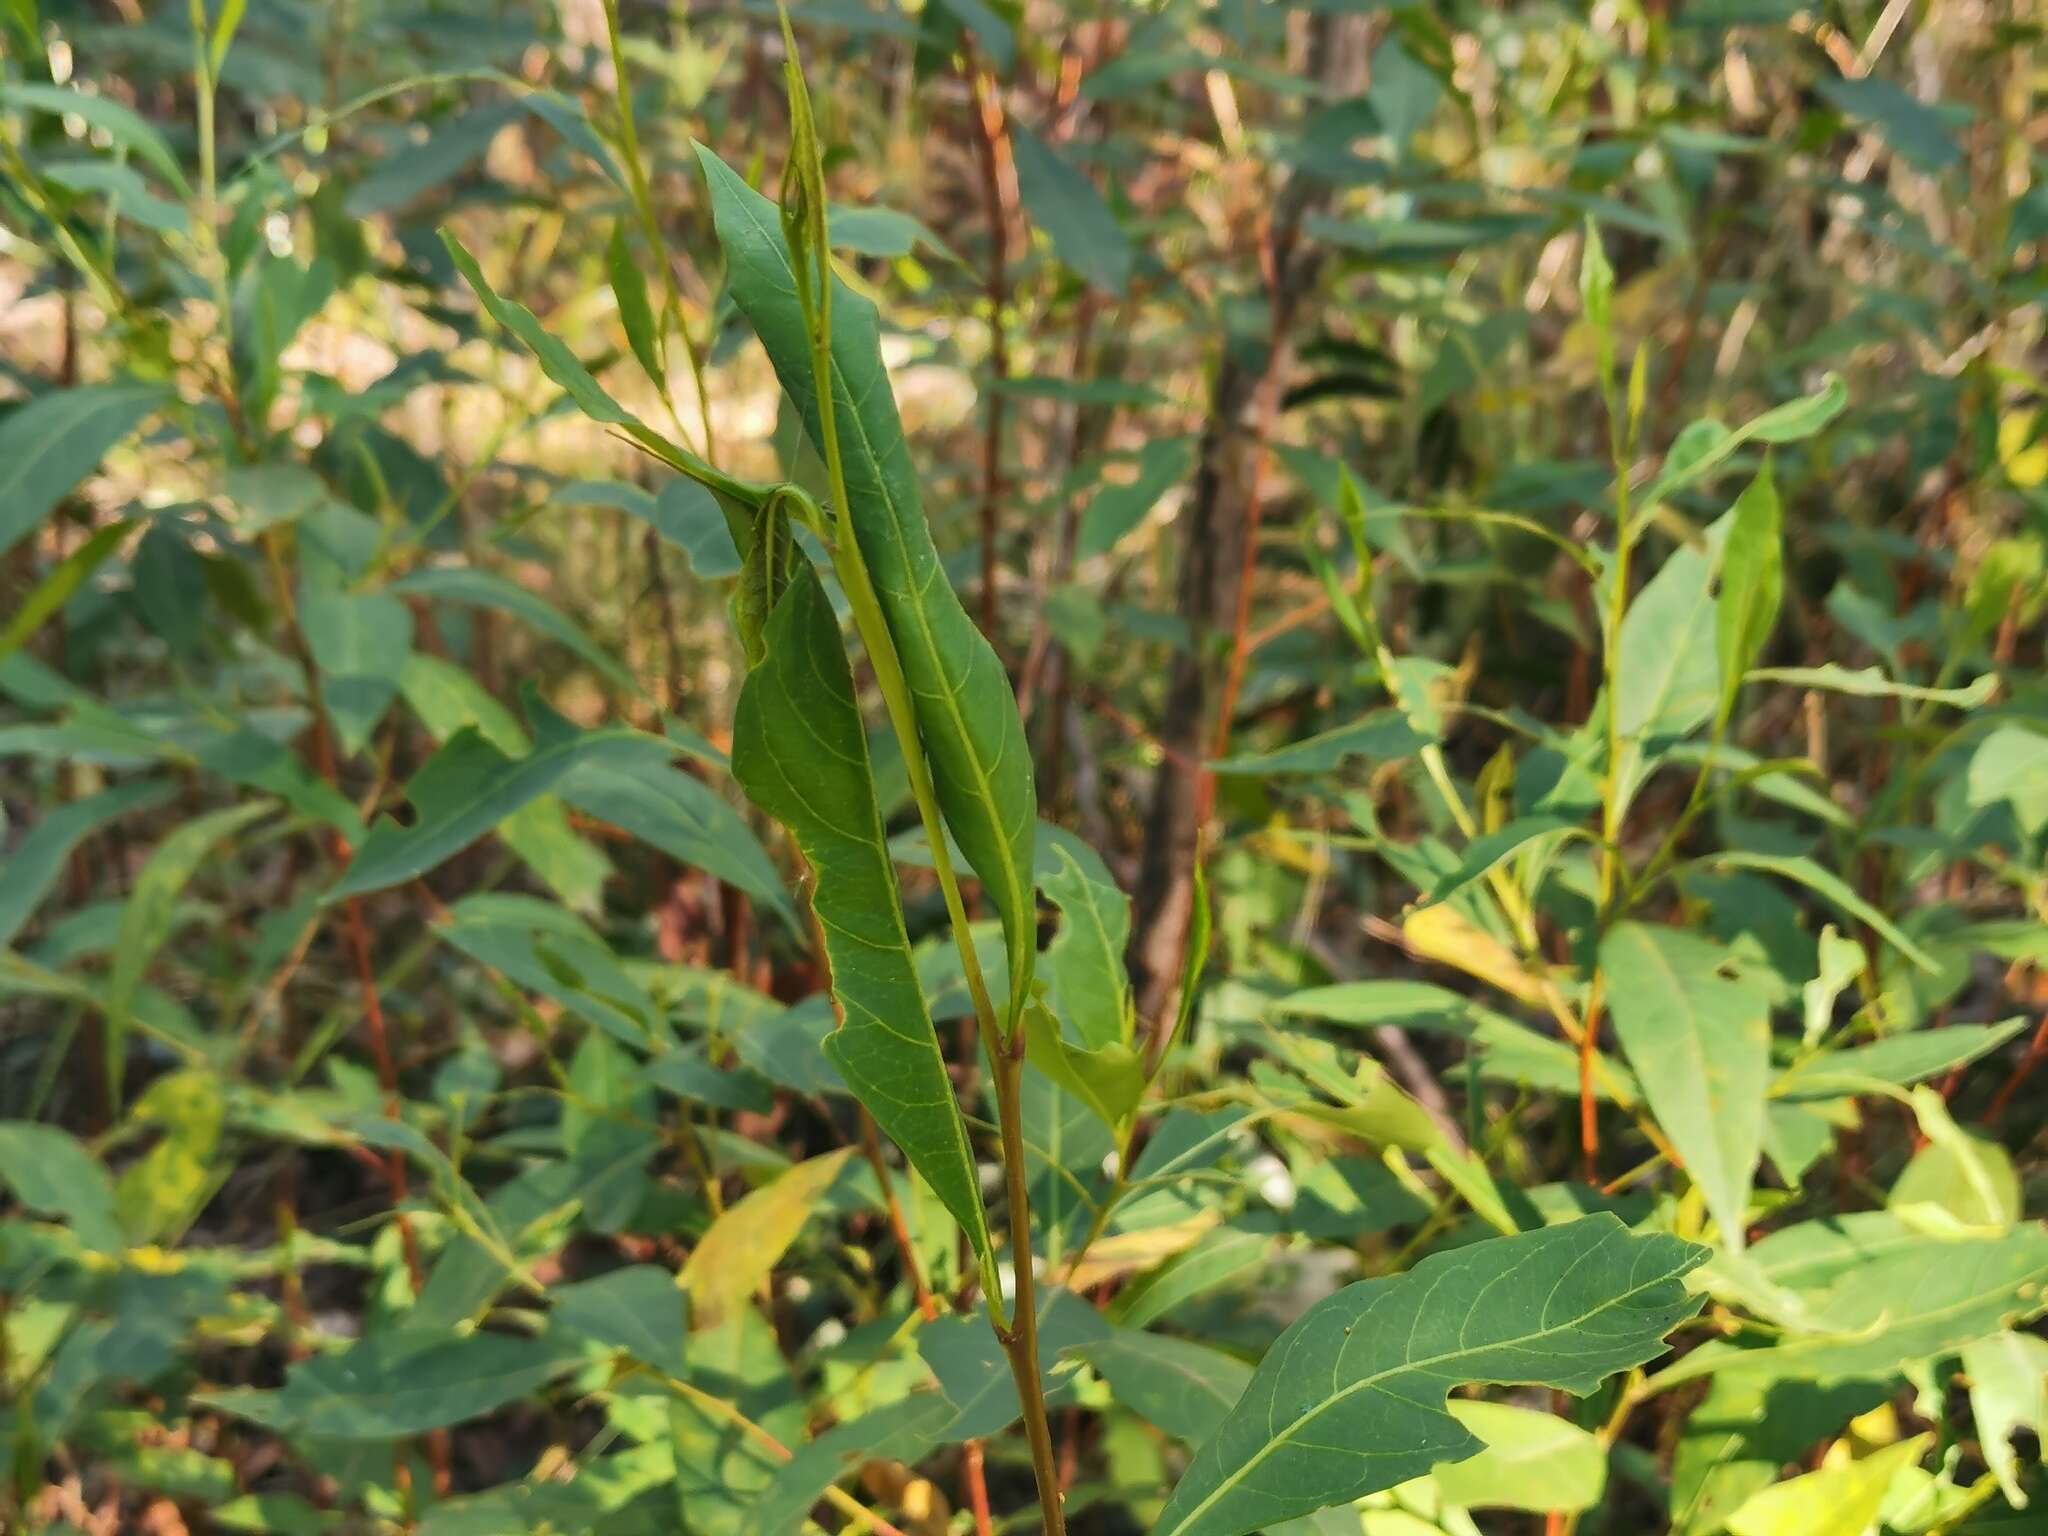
1752	583
966	714
1350	1400
28	873
146	920
1700	1044
563	366
56	589
56	440
748	1240
800	752
469	787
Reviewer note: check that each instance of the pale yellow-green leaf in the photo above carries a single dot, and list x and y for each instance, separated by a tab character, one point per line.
1533	1461
746	1242
162	1191
1835	1501
2008	1375
1958	1175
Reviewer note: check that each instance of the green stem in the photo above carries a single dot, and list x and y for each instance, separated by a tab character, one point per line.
1021	1341
650	229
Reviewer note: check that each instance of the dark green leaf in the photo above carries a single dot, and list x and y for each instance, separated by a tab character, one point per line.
1350	1399
800	751
1065	204
54	441
966	712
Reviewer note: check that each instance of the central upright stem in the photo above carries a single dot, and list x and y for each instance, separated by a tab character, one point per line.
1021	1341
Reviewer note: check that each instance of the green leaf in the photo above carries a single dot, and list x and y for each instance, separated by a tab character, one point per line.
57	588
1085	961
1065	204
562	365
448	699
1839	1500
1917	131
682	816
904	1431
1705	446
639	1309
123	125
2006	769
1955	1176
1596	298
1669	677
883	232
398	1383
2008	1375
1484	853
359	641
1384	736
49	1171
629	287
966	713
743	1246
689	517
1700	1045
54	441
465	584
1533	1461
1109	1079
1871	683
1408	1004
1350	1399
225	25
800	752
974	1372
1185	1388
1896	1061
1878	1309
467	788
1118	506
146	919
1229	1253
27	875
1752	583
1830	887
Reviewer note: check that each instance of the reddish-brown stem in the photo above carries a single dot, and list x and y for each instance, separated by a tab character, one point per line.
1265	408
1589	1104
871	1149
357	933
974	1472
999	193
2035	1051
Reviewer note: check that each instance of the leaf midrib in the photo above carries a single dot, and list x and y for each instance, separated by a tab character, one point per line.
1366	1383
1013	888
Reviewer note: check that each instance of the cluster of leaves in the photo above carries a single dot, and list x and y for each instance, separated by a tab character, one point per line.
597	937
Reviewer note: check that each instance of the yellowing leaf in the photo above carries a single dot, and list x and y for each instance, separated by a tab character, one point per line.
1533	1460
1447	936
1131	1251
2024	455
1835	1501
745	1243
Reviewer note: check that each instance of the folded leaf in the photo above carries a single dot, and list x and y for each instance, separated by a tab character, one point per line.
1350	1399
800	752
966	714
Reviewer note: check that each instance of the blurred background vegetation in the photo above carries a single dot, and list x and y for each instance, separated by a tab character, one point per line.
1165	289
